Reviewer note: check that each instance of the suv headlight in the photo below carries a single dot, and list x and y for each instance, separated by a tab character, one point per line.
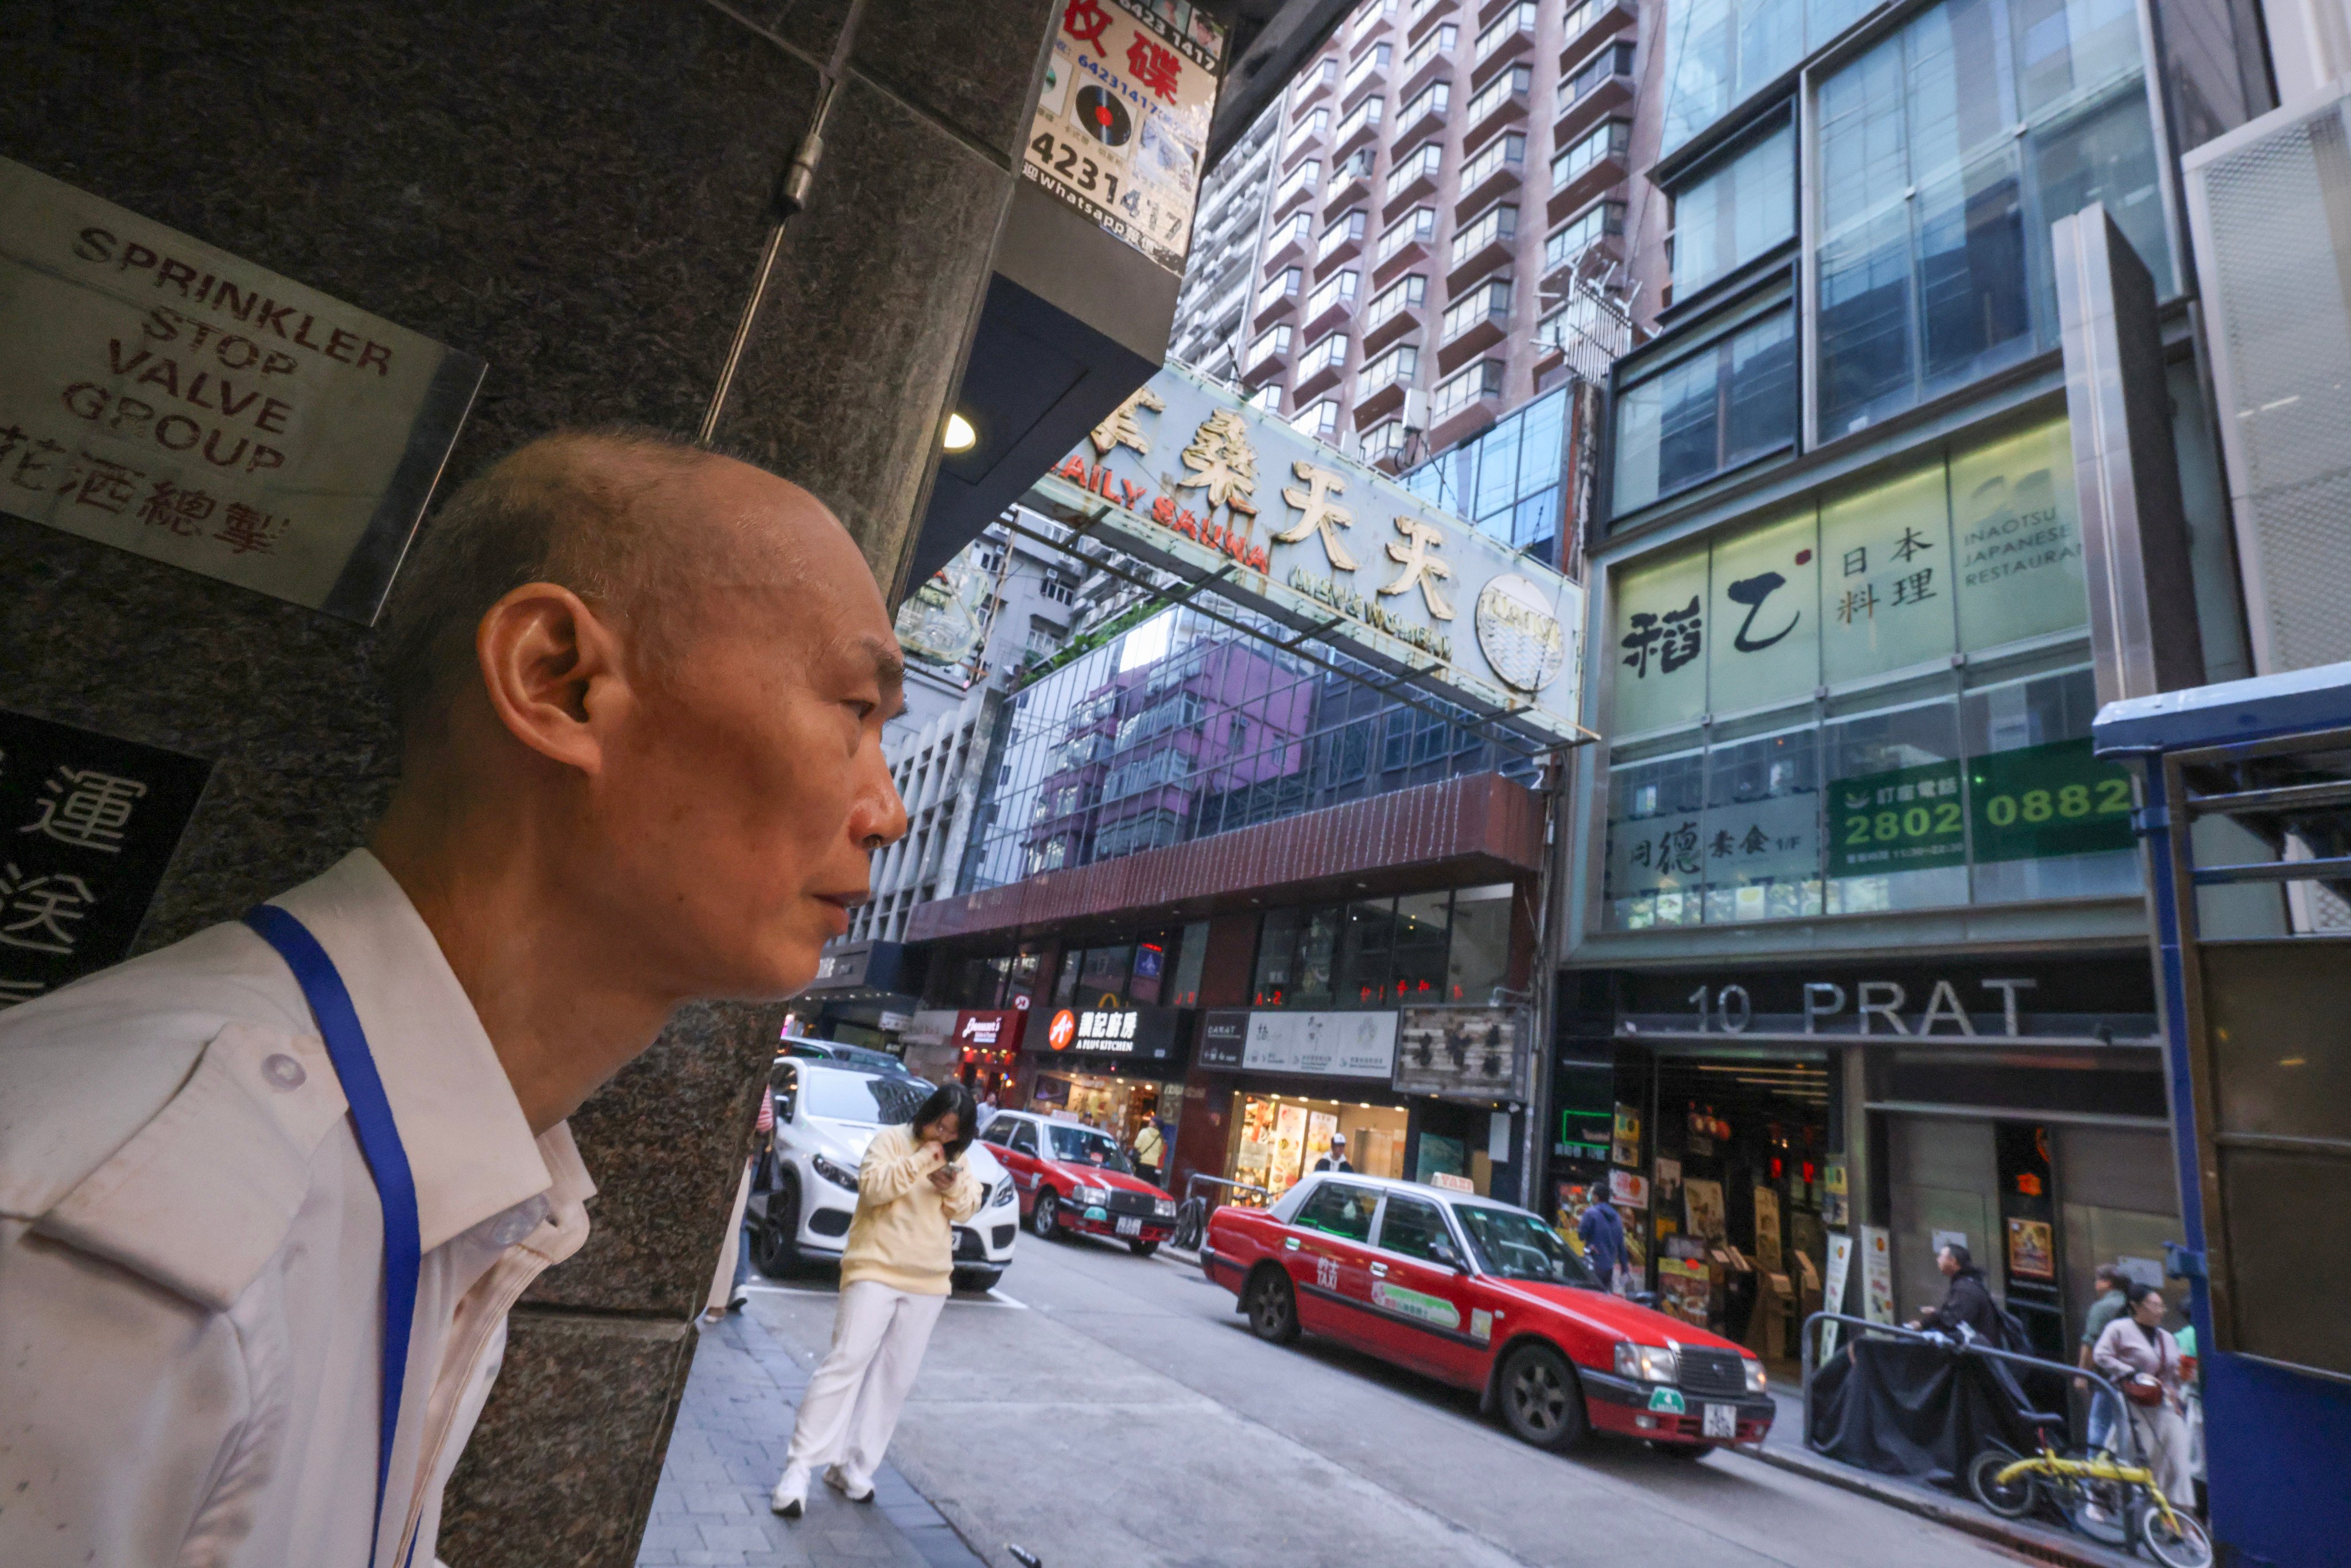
834	1173
1649	1363
1092	1196
1755	1380
1000	1193
1164	1208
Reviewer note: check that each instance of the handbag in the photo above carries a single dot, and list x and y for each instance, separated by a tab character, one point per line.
2143	1388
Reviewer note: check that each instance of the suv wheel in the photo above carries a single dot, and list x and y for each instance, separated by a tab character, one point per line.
1045	1216
1542	1403
775	1245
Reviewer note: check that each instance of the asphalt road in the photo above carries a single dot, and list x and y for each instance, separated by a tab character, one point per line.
1106	1409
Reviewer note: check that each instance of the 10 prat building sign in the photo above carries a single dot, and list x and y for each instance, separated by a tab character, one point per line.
1186	476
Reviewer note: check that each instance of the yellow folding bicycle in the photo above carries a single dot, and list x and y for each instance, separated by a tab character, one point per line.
2091	1485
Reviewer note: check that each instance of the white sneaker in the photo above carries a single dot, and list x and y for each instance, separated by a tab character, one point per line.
791	1496
838	1479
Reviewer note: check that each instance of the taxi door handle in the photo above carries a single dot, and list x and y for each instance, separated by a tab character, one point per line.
1381	1270
1289	1243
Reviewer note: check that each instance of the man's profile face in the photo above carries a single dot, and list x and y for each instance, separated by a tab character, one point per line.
749	790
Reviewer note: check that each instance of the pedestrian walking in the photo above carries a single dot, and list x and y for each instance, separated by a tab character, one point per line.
1967	1300
2114	1287
1336	1159
1602	1232
267	1194
894	1271
2136	1353
1150	1151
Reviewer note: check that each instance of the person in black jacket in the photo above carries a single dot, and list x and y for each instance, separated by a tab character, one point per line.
1968	1301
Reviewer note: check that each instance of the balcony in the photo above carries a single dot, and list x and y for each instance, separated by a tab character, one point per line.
1319	421
1351	179
1465	403
1586	25
1299	183
1394	312
1428	14
1473	323
1598	225
1331	303
1402	242
1362	123
1596	161
1381	389
1496	104
1340	240
1431	55
1371	68
1415	175
1269	352
1290	239
1310	84
1321	367
1481	246
1422	115
1602	82
1494	172
1278	297
1507	37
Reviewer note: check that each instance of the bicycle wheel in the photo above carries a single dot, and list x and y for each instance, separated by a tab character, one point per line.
2013	1499
2178	1541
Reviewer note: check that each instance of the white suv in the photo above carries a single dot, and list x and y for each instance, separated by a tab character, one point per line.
826	1112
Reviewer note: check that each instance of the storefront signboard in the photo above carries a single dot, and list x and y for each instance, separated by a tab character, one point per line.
852	966
1224	1040
1906	819
1628	1150
171	398
1877	1274
2039	801
930	1026
993	1029
1188	477
1628	1190
1332	1044
2089	1003
1143	1034
1833	1291
1464	1053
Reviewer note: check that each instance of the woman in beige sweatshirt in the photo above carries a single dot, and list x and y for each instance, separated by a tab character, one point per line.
894	1271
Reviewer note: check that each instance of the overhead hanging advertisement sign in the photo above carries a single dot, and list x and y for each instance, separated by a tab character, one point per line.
1186	476
1123	120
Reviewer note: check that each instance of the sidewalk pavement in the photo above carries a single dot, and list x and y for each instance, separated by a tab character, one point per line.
733	1426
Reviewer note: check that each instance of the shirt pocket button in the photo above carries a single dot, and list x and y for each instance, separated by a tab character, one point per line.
283	1071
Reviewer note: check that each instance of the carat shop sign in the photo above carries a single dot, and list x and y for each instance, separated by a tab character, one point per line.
1186	476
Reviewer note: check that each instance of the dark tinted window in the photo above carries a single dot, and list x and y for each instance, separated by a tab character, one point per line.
1340	1208
998	1131
1024	1138
1415	1229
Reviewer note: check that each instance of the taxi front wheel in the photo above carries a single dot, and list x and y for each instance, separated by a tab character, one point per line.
1542	1403
1045	1217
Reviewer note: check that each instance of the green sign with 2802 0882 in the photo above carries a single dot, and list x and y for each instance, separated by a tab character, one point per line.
2039	801
1907	819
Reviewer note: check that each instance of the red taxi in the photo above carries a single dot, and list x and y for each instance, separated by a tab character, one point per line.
1073	1179
1483	1295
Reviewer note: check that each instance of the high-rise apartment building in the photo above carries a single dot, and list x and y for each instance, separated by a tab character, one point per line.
1212	310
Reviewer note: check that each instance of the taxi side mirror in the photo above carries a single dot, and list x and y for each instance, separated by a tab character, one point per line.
1442	1253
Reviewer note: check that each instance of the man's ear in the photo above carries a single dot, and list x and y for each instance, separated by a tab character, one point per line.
552	668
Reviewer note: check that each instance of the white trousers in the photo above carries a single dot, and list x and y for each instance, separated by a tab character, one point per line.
853	1402
2163	1447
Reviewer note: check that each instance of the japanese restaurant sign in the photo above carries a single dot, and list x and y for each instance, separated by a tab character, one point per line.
1123	120
88	824
1186	476
165	397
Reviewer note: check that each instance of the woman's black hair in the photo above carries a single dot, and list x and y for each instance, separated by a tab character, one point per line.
2139	1292
1959	1252
955	1097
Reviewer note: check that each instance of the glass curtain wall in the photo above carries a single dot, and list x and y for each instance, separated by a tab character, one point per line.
1735	210
1183	728
1449	946
1945	152
1720	53
1506	480
1794	737
1712	408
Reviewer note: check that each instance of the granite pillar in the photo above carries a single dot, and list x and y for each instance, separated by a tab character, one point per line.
576	192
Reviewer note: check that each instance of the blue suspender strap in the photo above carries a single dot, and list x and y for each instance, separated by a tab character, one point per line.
379	1146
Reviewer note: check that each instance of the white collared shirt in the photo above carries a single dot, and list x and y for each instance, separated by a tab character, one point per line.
191	1248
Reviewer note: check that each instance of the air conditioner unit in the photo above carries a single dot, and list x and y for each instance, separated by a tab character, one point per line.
1416	409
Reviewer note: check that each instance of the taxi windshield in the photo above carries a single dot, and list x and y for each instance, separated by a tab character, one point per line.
1084	1146
1515	1244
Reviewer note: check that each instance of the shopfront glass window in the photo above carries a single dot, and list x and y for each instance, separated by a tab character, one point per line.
1656	864
1724	405
2049	819
1478	957
1102	982
1897	835
1277	948
1191	956
1946	153
1760	832
1363	969
1421	929
1734	211
1318	958
1150	976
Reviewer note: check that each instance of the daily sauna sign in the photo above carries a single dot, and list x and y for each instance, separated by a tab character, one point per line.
164	396
1186	476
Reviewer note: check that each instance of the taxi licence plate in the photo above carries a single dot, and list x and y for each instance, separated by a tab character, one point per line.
1129	1225
1720	1420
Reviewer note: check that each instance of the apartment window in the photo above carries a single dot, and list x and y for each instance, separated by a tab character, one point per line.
1055	589
1609	138
1439	41
1481	380
1348	226
1727	403
1305	177
1375	58
1583	18
1404	294
1397	366
1519	18
1734	211
1421	163
1326	353
1273	341
1615	60
1296	230
1383	440
1587	229
1508	151
1946	153
1420	223
1492	96
1434	99
1336	289
1283	284
1267	397
1319	420
1365	114
1486	300
1495	225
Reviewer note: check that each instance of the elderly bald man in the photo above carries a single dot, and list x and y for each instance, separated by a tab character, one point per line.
642	691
